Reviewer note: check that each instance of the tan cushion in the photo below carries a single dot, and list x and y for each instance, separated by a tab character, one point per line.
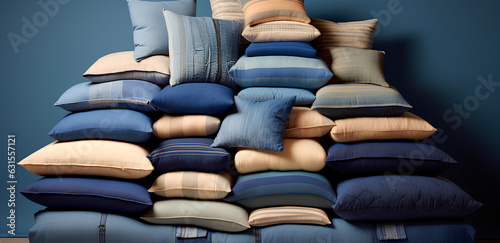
280	31
297	154
90	157
191	184
306	123
227	9
287	215
169	126
406	126
262	11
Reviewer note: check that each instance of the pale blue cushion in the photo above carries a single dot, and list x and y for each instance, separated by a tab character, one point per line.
302	96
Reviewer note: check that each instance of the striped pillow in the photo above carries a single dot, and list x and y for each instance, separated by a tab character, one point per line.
169	126
280	31
287	215
262	11
357	34
191	184
227	9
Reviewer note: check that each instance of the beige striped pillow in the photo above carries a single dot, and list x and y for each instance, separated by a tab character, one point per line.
280	31
169	126
287	215
262	11
191	184
227	9
306	123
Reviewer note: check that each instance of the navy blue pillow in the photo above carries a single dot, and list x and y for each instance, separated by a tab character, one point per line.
195	98
395	197
89	193
285	48
388	156
194	154
109	124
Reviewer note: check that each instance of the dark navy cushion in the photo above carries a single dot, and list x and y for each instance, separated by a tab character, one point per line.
282	48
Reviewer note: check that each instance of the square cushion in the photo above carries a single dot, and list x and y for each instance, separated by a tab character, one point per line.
202	49
170	126
280	31
256	124
214	215
297	154
287	215
262	11
89	193
91	158
284	48
283	188
395	197
302	96
338	101
122	66
400	157
358	34
124	94
148	24
306	123
227	9
280	71
355	65
195	154
195	98
108	124
407	126
192	184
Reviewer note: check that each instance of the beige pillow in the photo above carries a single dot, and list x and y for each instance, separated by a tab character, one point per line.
306	123
297	154
280	31
122	66
192	184
169	126
227	9
262	11
406	126
287	215
90	157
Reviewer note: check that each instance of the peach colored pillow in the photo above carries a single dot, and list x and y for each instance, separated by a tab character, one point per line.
306	123
170	126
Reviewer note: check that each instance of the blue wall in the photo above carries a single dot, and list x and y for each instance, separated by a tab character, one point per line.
436	54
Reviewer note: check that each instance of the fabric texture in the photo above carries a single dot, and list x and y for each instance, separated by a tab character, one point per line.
194	98
280	31
306	123
202	49
123	94
395	197
303	97
280	71
148	25
337	101
192	184
173	126
89	193
214	215
283	48
106	124
297	154
406	126
287	215
90	158
122	66
262	11
256	124
227	9
282	188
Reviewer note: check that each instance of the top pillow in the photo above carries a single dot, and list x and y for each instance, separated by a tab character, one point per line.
148	25
227	9
262	11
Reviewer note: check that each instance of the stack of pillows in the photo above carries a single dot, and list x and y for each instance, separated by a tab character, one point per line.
186	131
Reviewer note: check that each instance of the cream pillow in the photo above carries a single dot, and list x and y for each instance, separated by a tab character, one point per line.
169	126
306	123
280	31
287	215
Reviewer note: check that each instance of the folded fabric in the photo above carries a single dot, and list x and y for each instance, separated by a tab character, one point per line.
170	126
280	31
306	123
302	96
287	215
283	48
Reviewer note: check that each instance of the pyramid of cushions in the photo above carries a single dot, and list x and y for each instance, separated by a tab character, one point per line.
242	127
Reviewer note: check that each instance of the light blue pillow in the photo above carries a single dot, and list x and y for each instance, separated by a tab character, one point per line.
202	49
148	24
281	71
256	124
124	94
302	96
109	124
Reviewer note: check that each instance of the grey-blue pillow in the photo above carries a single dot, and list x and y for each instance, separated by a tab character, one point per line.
256	124
302	96
148	25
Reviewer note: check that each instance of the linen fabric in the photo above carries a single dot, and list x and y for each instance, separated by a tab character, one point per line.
303	97
262	11
280	31
192	184
123	94
173	126
287	215
148	24
284	48
227	9
89	193
306	123
91	158
406	126
202	49
122	66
